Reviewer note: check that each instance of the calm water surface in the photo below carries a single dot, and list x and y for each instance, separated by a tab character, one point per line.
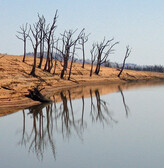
119	130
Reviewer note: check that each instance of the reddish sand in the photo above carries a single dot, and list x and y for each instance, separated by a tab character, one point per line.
15	81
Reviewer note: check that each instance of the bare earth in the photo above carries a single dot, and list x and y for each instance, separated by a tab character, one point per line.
15	81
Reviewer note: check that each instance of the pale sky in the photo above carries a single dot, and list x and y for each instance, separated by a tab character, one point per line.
138	23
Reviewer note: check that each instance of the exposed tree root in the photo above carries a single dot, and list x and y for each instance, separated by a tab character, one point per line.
35	95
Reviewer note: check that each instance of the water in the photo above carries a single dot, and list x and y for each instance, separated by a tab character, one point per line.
121	129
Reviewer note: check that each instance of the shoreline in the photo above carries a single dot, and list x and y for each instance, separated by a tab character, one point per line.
15	81
24	102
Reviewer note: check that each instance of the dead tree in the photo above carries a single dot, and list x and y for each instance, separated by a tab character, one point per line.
67	44
49	38
24	33
52	51
128	51
56	54
35	41
93	57
72	60
82	41
102	55
42	21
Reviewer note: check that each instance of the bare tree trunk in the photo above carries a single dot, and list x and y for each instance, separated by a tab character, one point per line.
91	69
97	69
41	54
62	74
64	67
83	56
34	65
51	61
56	54
82	41
47	61
122	67
70	69
41	60
43	32
93	57
50	39
24	51
128	51
72	61
55	67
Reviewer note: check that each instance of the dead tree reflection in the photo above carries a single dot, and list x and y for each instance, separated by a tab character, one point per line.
24	134
40	137
66	115
42	130
100	112
127	110
92	106
48	119
82	114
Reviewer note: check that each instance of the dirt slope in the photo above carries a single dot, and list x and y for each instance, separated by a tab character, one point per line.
15	80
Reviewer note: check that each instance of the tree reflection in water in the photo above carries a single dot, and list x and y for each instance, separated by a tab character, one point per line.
51	118
41	135
127	110
66	115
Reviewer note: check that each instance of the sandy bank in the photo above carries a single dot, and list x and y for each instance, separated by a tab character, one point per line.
15	81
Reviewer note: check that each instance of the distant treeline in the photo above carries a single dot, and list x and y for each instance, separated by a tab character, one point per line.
151	68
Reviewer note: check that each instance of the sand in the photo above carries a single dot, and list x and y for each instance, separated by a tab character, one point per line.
15	81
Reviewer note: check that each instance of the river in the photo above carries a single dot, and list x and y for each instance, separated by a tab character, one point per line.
121	129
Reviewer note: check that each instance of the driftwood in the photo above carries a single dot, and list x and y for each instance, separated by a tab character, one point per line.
37	96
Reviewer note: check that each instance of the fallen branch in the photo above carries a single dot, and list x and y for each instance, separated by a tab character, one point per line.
37	96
